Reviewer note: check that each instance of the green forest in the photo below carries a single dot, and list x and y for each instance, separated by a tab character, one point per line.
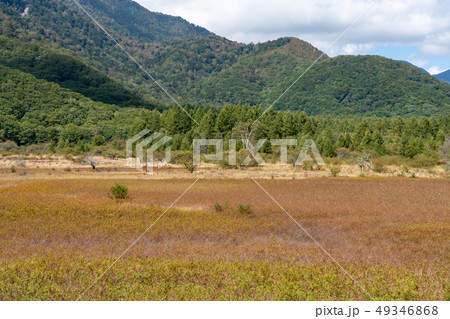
201	68
49	119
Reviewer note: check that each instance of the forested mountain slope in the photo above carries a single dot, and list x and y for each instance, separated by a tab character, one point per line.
35	110
372	85
200	68
66	70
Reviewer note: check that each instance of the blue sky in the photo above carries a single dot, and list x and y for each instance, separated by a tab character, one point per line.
411	30
433	64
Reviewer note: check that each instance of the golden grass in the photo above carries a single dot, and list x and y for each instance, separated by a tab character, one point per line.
169	279
57	235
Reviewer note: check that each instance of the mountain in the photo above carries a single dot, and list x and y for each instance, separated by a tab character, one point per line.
178	64
66	70
65	24
418	67
368	85
124	17
200	68
444	76
32	109
259	75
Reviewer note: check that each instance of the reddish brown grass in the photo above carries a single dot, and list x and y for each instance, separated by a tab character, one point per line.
400	224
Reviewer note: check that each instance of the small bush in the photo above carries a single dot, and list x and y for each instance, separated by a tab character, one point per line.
13	169
241	155
245	209
37	148
335	170
189	166
98	140
178	157
8	146
226	165
378	168
221	207
413	175
67	169
423	161
118	192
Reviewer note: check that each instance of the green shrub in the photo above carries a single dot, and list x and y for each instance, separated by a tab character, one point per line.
178	157
378	168
13	169
189	166
218	207
118	191
241	155
245	208
221	207
335	170
98	140
423	161
226	165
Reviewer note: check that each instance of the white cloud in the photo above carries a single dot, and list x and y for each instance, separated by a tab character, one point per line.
435	70
353	48
417	62
424	24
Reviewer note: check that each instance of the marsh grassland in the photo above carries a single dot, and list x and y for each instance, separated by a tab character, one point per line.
225	239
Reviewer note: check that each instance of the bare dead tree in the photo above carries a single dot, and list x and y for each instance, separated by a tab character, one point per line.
248	132
292	157
18	162
364	162
89	159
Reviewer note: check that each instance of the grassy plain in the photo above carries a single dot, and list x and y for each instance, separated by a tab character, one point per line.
58	234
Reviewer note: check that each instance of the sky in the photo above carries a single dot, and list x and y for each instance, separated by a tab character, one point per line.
417	31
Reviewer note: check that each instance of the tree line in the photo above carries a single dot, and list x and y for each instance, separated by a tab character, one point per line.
397	136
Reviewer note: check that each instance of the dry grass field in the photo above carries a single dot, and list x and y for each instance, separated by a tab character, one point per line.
58	233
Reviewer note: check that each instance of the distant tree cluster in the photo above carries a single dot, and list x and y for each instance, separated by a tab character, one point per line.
77	127
406	137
